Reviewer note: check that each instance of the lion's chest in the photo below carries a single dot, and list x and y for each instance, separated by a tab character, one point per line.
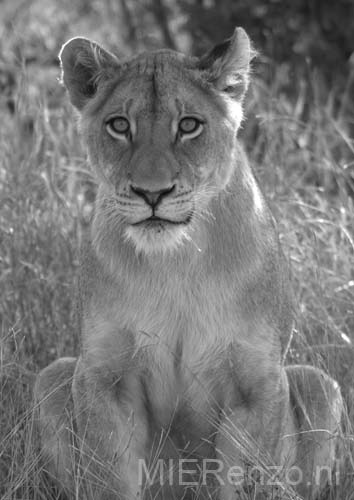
184	346
181	335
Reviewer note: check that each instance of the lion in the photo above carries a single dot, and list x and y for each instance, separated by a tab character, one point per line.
185	303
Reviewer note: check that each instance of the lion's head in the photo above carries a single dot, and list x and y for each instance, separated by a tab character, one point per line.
161	133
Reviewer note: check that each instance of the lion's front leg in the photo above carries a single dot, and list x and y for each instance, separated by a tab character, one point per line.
250	445
112	431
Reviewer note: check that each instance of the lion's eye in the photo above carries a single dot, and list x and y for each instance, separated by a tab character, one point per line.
118	127
190	127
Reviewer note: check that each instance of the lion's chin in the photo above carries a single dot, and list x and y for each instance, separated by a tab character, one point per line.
157	238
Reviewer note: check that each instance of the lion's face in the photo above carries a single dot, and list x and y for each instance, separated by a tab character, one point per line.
161	137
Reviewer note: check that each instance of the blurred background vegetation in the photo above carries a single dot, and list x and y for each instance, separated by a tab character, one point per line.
299	135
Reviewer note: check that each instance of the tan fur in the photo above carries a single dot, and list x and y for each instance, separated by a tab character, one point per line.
185	323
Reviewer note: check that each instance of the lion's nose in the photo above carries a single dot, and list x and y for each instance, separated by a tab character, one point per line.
152	198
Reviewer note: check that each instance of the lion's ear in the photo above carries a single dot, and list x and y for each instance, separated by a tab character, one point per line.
228	64
84	64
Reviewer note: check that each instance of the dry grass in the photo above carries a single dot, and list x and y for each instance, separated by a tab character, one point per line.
303	153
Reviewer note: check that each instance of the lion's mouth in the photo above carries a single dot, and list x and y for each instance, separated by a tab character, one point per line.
155	221
156	234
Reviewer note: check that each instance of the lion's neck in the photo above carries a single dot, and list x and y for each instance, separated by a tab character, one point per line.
230	240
